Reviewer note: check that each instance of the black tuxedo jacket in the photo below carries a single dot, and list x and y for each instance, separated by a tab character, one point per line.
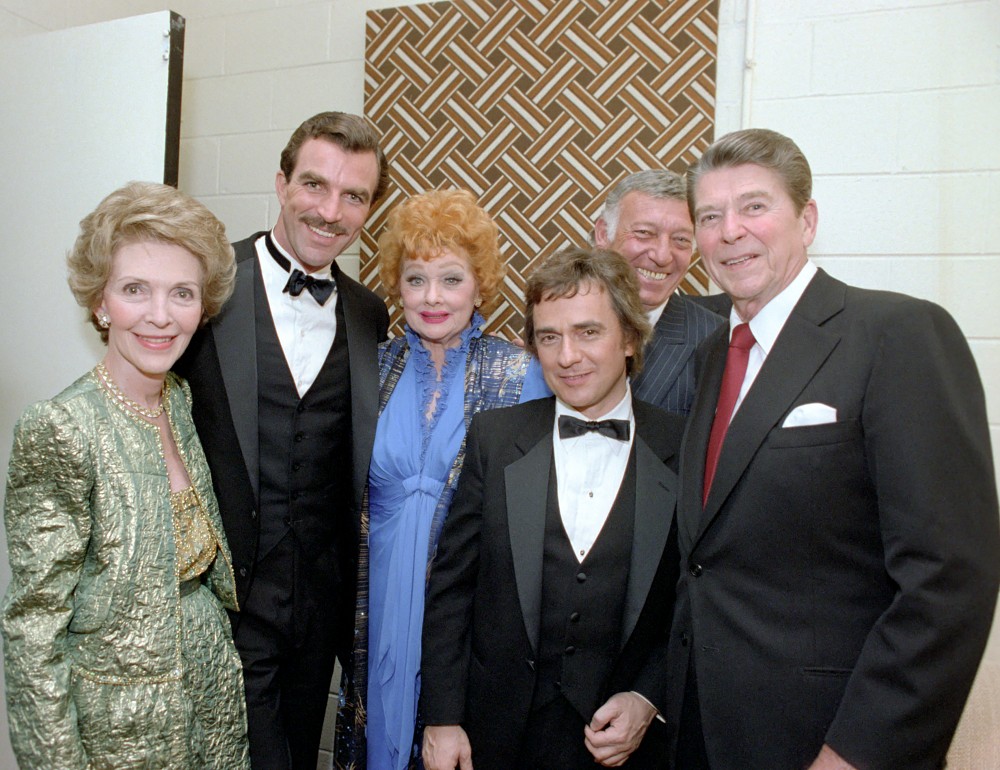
839	584
221	366
667	379
481	624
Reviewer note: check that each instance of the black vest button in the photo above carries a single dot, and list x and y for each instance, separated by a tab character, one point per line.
570	649
581	577
695	570
574	618
299	436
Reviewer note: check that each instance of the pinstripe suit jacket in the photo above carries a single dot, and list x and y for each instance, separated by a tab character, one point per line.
668	375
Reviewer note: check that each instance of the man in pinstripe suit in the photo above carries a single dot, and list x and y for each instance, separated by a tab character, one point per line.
645	219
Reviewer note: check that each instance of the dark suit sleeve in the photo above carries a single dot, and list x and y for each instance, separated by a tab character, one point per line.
381	321
928	449
447	628
651	679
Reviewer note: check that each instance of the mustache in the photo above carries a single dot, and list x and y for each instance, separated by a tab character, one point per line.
322	224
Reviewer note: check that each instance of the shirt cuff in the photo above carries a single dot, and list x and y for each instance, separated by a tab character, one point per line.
659	716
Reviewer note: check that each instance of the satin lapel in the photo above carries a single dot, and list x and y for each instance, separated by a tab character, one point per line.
362	347
654	513
526	482
236	346
798	353
696	436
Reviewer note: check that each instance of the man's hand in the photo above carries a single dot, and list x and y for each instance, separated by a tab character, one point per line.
446	747
829	759
617	728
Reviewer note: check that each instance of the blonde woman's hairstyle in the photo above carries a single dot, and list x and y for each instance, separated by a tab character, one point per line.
154	213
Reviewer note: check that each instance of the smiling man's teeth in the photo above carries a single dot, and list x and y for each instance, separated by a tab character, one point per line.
651	275
739	260
323	233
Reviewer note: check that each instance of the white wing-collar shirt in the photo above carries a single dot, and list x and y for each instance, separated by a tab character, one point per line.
305	328
589	472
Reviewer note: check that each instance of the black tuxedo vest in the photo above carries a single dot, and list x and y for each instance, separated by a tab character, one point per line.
583	602
305	449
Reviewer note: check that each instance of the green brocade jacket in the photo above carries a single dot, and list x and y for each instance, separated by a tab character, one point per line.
92	618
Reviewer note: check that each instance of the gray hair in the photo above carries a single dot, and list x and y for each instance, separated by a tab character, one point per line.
656	183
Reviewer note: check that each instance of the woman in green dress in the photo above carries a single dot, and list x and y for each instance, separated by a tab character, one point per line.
117	645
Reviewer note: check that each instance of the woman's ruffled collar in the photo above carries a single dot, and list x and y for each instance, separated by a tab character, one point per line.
473	331
427	375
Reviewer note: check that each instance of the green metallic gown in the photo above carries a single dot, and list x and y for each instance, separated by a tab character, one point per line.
117	646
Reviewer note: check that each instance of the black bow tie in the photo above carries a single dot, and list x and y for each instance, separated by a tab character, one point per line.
569	427
320	288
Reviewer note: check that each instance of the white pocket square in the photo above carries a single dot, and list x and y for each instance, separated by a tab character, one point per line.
810	414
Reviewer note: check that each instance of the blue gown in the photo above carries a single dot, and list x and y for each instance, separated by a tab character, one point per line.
408	480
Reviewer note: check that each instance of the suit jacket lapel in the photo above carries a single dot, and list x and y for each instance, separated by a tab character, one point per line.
362	343
667	354
526	482
653	518
800	350
712	362
236	347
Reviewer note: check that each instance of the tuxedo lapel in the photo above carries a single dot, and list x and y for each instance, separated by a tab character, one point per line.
236	346
798	353
654	513
526	482
362	341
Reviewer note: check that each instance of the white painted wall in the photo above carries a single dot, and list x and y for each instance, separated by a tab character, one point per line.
895	103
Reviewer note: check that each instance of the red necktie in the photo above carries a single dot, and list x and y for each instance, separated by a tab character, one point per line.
732	381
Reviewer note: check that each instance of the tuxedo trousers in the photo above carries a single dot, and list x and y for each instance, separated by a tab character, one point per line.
288	659
553	739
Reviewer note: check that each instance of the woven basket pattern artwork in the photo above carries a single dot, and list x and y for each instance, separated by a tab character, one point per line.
538	107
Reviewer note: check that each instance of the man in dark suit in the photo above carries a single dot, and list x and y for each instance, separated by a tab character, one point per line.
546	621
285	384
645	219
838	513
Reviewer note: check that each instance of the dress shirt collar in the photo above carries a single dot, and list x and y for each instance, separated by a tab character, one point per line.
770	320
654	314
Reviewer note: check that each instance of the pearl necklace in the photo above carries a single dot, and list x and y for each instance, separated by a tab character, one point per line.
116	392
